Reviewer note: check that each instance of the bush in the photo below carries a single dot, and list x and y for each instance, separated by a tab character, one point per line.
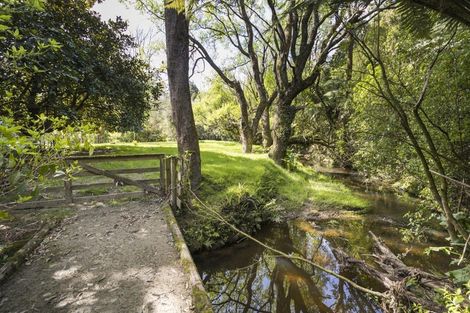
242	210
32	152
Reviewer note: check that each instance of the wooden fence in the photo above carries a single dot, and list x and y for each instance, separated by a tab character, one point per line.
168	183
172	183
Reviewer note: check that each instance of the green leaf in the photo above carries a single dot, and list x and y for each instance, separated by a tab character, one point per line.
54	44
36	4
5	17
22	199
446	250
5	216
16	34
15	178
461	276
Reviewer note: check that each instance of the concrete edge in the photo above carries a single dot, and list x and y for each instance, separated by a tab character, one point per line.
200	299
20	256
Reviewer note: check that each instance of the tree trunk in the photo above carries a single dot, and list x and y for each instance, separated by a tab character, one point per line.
177	51
432	183
282	132
266	130
444	187
246	132
246	136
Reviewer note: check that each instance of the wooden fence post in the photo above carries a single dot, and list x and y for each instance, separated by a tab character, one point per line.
68	186
173	182
179	188
167	175
162	175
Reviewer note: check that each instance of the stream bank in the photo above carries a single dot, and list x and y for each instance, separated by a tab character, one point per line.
246	276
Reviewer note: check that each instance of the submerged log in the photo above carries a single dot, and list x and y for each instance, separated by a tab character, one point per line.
406	285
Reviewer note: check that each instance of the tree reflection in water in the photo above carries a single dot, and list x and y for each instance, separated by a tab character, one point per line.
247	278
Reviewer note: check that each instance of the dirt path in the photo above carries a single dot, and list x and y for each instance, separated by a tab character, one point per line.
104	259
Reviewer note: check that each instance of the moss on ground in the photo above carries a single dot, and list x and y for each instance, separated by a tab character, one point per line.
200	301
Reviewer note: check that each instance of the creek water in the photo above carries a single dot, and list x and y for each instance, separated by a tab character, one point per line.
247	278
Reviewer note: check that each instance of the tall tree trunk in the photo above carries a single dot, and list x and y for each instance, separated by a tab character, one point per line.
440	168
451	222
282	132
266	130
246	132
177	52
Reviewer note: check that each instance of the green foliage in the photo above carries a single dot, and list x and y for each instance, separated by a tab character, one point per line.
383	146
439	126
461	276
417	18
30	153
326	121
217	113
5	216
244	211
424	17
385	149
291	160
63	60
145	135
457	301
419	221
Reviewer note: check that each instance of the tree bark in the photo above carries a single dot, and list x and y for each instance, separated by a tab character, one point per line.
246	132
266	130
177	51
246	137
282	132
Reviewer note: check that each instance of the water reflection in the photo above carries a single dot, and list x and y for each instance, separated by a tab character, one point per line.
247	278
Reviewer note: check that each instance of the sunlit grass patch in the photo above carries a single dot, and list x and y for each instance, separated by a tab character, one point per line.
229	174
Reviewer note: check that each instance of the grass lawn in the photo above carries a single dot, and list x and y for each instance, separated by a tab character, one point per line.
229	174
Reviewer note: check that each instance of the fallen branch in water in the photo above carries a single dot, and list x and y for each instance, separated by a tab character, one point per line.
406	285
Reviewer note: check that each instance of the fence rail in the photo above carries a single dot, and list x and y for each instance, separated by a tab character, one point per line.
168	182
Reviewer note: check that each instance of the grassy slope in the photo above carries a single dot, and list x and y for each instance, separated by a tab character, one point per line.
228	174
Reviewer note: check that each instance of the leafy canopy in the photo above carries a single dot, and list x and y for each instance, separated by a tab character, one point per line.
60	59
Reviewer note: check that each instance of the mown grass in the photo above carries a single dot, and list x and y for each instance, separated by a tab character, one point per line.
229	174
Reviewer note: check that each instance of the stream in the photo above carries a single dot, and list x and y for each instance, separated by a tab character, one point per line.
247	278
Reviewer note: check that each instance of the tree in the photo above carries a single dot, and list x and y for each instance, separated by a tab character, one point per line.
403	87
177	51
307	38
86	74
325	125
230	20
295	43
